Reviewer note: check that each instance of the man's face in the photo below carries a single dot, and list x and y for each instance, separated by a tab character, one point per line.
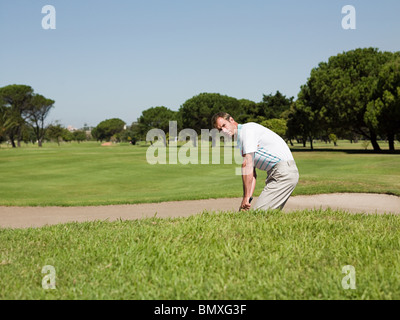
228	127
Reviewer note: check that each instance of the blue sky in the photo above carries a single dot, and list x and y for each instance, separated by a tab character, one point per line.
114	59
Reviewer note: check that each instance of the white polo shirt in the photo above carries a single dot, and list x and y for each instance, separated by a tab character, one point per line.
268	147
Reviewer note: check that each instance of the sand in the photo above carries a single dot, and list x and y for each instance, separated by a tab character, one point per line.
25	217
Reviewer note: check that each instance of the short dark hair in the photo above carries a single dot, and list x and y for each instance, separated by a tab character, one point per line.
218	115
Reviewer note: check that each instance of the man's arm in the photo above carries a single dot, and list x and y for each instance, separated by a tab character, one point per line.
249	181
253	185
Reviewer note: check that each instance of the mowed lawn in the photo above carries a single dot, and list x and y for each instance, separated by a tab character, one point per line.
89	174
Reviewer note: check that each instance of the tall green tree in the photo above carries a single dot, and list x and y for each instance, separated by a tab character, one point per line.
196	112
37	112
16	100
342	88
22	108
304	119
383	113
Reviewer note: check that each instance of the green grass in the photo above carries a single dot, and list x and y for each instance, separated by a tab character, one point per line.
88	174
256	255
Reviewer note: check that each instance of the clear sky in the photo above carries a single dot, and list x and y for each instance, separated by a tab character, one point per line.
114	59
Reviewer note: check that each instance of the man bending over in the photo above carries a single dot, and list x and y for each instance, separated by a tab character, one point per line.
263	149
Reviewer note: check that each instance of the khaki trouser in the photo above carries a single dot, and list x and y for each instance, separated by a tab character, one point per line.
280	183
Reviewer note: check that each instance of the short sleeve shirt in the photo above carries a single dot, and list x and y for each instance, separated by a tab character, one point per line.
268	147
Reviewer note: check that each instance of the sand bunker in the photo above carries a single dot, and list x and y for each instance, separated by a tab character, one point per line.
23	217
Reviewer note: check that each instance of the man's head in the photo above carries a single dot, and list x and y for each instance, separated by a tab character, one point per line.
225	123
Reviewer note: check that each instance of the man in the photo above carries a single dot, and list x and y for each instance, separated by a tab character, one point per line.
263	149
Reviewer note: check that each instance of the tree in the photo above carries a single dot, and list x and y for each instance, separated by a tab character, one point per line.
341	89
22	108
36	115
156	118
196	112
273	106
131	134
15	100
332	137
134	133
2	122
67	135
108	128
55	132
302	119
276	125
248	111
383	113
79	135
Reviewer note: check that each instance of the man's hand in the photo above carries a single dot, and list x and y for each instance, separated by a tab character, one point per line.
249	181
246	204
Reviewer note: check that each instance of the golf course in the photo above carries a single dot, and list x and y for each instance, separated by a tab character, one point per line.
210	255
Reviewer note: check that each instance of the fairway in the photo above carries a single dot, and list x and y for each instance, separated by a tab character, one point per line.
88	174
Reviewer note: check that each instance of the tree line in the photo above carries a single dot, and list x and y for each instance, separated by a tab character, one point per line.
354	95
